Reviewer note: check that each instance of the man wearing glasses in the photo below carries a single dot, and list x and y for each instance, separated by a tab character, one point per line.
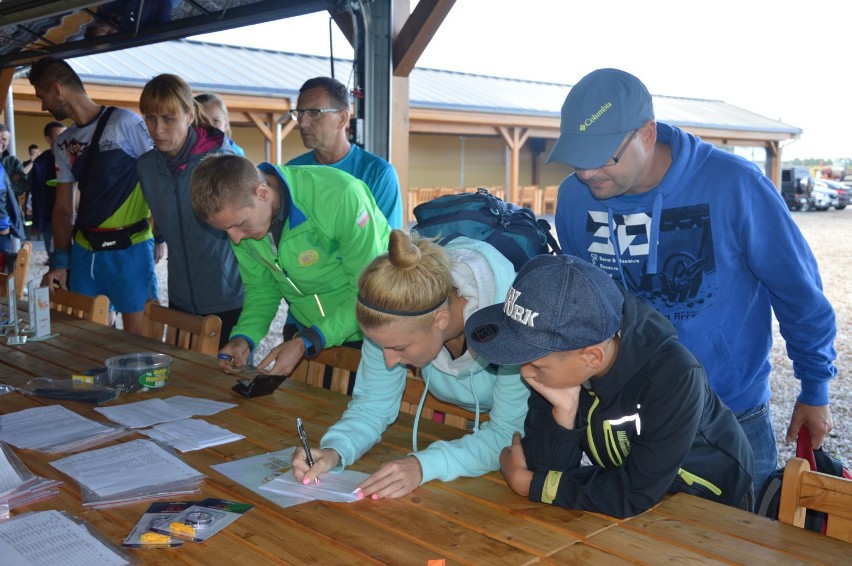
703	236
322	112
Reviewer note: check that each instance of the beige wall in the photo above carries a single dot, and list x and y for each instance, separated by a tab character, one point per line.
436	161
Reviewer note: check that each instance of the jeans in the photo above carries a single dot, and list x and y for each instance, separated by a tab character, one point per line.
757	425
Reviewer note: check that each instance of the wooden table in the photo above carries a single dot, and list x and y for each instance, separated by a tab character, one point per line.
467	521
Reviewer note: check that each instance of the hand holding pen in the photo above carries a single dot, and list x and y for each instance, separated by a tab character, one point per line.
304	438
234	355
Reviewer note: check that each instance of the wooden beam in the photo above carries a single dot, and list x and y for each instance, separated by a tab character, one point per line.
344	23
515	138
260	122
417	32
6	76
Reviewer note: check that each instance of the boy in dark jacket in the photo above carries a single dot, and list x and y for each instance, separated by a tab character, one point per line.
610	380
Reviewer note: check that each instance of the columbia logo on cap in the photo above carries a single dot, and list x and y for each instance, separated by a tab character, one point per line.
517	312
591	119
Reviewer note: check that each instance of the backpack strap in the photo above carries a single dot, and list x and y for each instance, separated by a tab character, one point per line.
551	241
93	148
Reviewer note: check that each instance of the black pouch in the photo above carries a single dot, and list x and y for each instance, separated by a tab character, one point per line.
108	240
259	386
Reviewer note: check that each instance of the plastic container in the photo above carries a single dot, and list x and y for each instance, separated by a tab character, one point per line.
139	372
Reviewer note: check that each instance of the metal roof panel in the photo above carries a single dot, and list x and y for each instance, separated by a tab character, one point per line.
264	72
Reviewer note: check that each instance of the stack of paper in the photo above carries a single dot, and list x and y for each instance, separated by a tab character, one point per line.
256	471
172	423
340	487
18	485
54	537
133	471
191	434
55	429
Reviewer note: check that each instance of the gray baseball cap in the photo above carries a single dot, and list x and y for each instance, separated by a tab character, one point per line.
597	115
556	304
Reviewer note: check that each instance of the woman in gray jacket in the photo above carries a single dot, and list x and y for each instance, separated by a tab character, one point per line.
204	277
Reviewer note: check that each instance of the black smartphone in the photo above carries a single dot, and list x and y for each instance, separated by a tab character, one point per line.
259	386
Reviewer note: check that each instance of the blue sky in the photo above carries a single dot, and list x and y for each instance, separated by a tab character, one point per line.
773	58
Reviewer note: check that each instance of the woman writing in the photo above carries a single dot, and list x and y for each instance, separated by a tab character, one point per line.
412	306
204	277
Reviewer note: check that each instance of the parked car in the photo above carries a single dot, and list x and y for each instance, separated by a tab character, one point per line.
828	193
797	187
846	179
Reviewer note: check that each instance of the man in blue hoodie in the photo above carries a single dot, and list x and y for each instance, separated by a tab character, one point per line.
703	236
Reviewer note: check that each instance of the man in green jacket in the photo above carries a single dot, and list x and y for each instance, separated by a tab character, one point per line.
299	233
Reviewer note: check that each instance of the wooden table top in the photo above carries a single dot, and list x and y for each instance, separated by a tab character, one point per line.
466	521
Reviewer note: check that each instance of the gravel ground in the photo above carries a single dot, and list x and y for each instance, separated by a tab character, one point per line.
828	234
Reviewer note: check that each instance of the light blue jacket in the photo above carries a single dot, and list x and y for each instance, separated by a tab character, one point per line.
478	270
377	174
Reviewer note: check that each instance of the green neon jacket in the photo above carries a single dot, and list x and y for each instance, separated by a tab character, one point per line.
333	230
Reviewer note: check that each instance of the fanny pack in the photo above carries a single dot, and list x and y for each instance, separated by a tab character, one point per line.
108	239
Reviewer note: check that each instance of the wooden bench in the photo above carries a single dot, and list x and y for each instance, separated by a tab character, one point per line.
333	368
803	489
433	409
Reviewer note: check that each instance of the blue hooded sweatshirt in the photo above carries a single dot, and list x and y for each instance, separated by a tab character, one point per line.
713	248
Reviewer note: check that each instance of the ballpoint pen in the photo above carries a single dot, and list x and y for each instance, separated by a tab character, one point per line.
304	438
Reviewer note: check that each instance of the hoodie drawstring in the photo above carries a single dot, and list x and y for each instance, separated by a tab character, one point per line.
426	377
653	238
419	409
613	239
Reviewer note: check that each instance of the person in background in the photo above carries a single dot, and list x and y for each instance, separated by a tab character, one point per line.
5	221
612	382
704	237
19	183
43	187
215	108
13	166
33	151
204	277
412	305
111	249
302	234
322	112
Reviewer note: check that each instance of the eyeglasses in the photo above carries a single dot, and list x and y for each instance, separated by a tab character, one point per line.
312	113
615	158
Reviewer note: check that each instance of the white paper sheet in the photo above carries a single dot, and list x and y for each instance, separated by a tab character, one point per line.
144	413
197	406
256	471
155	411
339	487
191	434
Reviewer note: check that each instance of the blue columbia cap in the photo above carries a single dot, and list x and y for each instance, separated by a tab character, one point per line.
598	113
556	304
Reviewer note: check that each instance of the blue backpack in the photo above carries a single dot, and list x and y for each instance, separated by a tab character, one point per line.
514	231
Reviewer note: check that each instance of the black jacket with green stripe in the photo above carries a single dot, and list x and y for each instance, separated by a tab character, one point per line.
650	426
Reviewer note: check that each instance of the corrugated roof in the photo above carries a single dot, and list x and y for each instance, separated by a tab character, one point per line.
263	72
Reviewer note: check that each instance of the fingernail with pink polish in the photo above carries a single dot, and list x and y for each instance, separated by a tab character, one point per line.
375	496
306	481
